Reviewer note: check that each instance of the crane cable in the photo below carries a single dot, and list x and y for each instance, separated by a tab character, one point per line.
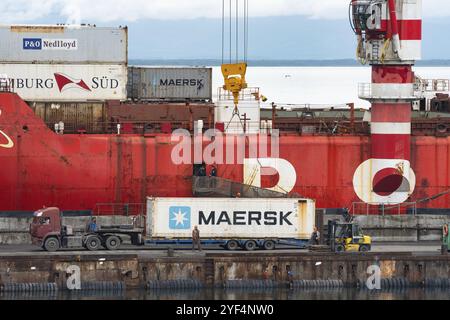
237	31
245	39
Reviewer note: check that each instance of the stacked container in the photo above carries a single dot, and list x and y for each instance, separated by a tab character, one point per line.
60	63
177	84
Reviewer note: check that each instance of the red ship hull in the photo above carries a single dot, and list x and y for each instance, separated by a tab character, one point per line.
76	172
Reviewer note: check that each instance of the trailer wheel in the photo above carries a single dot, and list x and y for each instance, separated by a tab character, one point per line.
112	243
232	245
51	244
340	248
269	245
93	243
250	245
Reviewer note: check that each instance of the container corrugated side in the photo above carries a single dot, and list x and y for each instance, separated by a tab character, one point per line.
41	82
63	44
88	116
230	218
176	84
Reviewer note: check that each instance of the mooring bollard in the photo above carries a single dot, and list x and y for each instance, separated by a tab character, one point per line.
170	252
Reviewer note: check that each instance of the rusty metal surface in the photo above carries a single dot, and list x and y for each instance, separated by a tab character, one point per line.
217	269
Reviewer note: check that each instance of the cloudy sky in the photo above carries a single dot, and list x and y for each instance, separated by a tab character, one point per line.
191	28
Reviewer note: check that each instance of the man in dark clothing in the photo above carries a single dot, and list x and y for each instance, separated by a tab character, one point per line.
315	237
196	238
213	172
202	171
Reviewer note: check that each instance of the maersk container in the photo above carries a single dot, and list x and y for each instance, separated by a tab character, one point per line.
48	82
63	44
231	219
170	83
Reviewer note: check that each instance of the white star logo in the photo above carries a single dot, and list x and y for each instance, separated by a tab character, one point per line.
179	217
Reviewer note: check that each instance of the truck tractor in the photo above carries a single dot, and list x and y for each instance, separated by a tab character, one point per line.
48	232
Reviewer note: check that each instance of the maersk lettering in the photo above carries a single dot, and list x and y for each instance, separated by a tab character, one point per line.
181	82
244	218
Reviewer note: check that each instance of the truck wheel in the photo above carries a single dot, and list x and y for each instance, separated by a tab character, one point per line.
112	243
340	248
232	245
250	245
269	245
364	248
51	244
93	243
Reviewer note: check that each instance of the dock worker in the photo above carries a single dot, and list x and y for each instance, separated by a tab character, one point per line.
196	239
92	227
213	172
315	237
202	170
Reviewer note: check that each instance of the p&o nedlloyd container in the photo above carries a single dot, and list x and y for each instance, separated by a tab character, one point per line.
63	44
221	220
170	83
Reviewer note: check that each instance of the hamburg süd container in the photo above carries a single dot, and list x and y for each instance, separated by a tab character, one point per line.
63	44
56	82
224	218
170	83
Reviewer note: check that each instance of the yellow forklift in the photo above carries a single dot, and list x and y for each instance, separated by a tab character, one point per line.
347	236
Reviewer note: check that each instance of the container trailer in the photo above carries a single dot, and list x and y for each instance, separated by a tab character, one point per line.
248	224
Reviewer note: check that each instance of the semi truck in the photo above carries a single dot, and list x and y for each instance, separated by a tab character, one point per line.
240	223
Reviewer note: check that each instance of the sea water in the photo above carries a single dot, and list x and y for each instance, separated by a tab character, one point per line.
316	86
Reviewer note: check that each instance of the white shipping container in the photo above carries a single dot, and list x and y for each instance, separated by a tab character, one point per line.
222	218
40	82
63	44
170	83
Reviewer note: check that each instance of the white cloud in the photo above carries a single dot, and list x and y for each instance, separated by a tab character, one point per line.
131	10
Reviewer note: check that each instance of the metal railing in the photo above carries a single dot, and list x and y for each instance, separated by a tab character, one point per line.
362	208
366	91
249	94
432	85
5	85
115	127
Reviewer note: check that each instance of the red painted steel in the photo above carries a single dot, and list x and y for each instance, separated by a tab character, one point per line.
407	29
75	172
392	74
391	146
382	112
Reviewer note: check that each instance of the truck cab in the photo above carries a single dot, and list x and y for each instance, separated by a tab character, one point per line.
48	232
45	229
